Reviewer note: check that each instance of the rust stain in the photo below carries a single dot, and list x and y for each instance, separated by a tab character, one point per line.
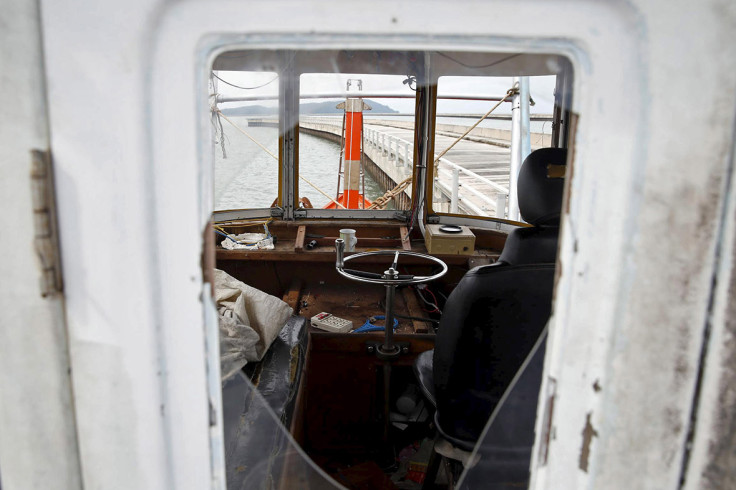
597	386
547	421
588	434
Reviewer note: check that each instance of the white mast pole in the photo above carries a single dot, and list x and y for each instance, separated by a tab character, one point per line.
520	140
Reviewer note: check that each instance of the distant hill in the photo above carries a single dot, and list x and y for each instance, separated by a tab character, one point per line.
327	107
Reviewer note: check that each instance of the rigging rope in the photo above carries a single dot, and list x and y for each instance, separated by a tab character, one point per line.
380	202
510	92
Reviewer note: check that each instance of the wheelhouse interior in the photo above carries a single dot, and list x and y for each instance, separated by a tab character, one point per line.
442	186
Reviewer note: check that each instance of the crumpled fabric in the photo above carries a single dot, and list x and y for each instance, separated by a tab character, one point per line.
250	320
252	241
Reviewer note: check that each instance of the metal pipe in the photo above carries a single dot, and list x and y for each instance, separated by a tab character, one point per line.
515	153
245	98
386	402
340	253
520	141
524	97
455	190
388	342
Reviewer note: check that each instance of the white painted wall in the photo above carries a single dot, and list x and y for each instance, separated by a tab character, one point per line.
638	249
38	445
97	56
712	464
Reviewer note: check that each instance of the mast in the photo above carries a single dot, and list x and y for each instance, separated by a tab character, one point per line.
353	150
520	140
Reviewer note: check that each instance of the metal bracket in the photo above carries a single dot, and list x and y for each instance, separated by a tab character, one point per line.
277	212
402	215
433	219
45	240
374	347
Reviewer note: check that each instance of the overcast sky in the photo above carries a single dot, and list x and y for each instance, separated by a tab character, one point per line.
266	84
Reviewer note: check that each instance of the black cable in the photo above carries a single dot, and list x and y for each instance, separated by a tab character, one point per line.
479	66
382	306
417	318
244	88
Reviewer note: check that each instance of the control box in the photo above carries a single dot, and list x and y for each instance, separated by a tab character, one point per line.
331	323
458	241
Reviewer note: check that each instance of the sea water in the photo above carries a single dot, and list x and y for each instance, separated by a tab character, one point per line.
248	177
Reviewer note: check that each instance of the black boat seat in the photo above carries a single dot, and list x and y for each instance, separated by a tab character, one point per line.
497	312
423	373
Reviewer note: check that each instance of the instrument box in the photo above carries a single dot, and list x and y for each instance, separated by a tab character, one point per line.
459	241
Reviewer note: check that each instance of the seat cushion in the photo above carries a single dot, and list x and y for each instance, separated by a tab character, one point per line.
539	190
530	246
489	324
423	372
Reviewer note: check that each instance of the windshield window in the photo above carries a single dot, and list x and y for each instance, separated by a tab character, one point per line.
246	127
473	141
356	148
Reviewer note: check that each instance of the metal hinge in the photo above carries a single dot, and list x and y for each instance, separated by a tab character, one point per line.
45	240
433	219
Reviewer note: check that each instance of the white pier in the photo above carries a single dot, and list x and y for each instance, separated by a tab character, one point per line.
471	178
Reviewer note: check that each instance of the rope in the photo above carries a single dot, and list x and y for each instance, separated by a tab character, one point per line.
222	134
249	136
510	92
380	202
276	158
321	191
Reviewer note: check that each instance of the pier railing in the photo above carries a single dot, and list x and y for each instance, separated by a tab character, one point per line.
482	202
465	190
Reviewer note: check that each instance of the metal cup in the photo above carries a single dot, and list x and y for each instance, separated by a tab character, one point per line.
348	235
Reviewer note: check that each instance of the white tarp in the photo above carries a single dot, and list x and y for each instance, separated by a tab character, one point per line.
248	241
250	320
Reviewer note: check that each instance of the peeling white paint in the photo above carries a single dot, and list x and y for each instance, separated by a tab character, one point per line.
36	405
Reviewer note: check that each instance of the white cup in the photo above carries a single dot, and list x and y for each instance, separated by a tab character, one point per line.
348	235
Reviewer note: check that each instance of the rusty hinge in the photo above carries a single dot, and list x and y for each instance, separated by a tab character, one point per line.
45	239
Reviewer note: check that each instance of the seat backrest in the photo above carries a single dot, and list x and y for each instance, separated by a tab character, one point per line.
496	313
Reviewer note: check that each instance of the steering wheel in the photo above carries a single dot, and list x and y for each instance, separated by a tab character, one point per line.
390	277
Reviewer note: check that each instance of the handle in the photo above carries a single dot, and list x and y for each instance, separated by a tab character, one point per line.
340	249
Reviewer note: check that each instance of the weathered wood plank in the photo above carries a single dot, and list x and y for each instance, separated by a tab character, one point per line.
291	297
405	241
299	241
